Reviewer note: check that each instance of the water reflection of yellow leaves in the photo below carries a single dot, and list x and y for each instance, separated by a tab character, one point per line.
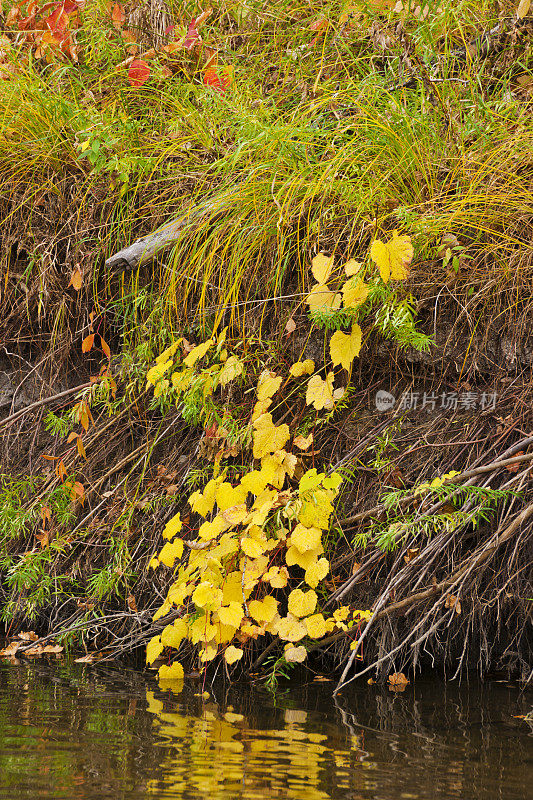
218	754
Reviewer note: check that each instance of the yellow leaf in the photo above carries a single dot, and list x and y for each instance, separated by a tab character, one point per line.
233	590
300	368
344	347
227	545
227	495
172	673
154	648
172	635
322	267
393	258
207	653
85	145
316	626
268	385
207	596
263	610
76	279
306	538
161	387
170	552
290	629
321	298
320	393
235	514
210	530
523	8
179	591
352	267
354	292
233	654
168	353
310	480
277	577
273	468
201	630
230	717
181	380
172	527
315	513
252	630
231	370
341	614
254	481
260	408
222	336
316	572
303	443
332	481
295	655
197	352
301	604
156	373
162	610
224	633
231	614
303	560
251	548
267	437
203	502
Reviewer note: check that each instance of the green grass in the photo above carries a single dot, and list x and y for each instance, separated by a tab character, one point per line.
311	149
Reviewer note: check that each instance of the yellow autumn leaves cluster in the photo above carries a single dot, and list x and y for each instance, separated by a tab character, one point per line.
262	533
253	537
392	259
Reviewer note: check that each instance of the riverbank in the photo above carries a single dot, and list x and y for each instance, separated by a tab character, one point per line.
272	136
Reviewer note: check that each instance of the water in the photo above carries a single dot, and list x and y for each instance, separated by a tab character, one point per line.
72	731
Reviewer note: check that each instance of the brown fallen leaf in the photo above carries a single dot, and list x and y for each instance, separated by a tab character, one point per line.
453	602
89	658
27	636
290	326
398	682
515	467
47	649
10	650
411	553
76	280
132	605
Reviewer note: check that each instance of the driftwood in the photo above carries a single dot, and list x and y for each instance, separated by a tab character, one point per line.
146	249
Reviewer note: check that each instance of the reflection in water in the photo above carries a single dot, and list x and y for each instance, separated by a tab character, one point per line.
87	733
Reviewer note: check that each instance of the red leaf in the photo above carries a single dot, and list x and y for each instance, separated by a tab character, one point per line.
218	79
57	21
87	343
192	38
138	73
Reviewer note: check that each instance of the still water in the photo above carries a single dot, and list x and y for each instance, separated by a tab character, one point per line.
73	731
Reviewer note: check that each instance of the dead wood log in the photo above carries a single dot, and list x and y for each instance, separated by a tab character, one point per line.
148	247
